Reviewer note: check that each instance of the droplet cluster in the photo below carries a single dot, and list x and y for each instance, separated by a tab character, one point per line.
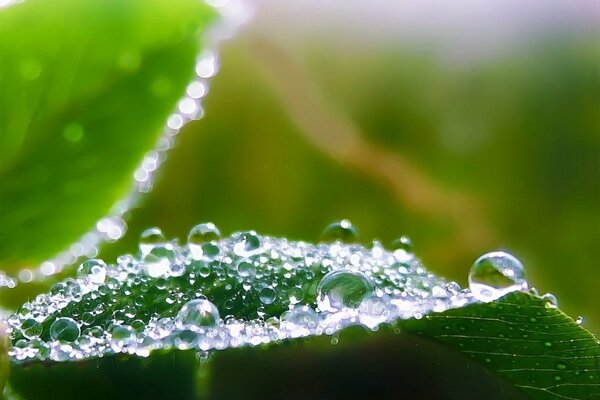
216	293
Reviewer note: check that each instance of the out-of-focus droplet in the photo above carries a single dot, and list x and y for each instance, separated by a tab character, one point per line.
495	274
402	243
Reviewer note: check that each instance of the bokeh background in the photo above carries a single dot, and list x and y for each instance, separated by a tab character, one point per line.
468	126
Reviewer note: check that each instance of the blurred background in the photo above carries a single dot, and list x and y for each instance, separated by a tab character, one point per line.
468	126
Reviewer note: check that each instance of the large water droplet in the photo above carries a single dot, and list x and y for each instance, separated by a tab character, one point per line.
198	313
495	274
342	231
201	234
64	329
248	244
158	261
149	239
31	328
342	289
94	270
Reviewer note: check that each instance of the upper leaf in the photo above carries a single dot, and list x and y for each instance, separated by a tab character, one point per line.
85	88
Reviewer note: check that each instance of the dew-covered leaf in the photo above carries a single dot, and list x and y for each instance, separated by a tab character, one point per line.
213	295
85	88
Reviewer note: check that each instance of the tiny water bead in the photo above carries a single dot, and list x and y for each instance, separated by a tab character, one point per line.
64	329
495	274
267	289
342	231
343	289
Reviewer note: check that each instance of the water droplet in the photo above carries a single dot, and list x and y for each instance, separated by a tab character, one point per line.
177	269
342	289
200	234
245	269
495	274
248	244
296	295
551	300
267	295
402	243
150	238
373	311
158	261
198	313
122	334
303	317
579	320
31	328
64	329
94	270
73	132
342	231
561	366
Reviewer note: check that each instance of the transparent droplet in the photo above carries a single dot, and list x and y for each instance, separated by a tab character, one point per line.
177	269
245	269
579	320
200	234
198	313
149	239
185	339
94	270
248	244
122	334
373	311
342	289
495	274
267	295
551	300
31	328
158	261
342	231
64	329
402	243
296	295
301	316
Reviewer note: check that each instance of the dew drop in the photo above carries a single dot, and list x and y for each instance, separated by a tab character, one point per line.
267	295
198	313
579	320
64	329
495	274
150	238
248	244
31	328
122	334
341	289
94	270
296	295
200	234
245	269
373	311
550	300
301	316
158	261
342	231
402	243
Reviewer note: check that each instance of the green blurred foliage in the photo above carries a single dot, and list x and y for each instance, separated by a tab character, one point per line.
518	133
85	90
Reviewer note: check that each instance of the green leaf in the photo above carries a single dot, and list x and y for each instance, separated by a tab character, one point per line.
86	87
247	290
